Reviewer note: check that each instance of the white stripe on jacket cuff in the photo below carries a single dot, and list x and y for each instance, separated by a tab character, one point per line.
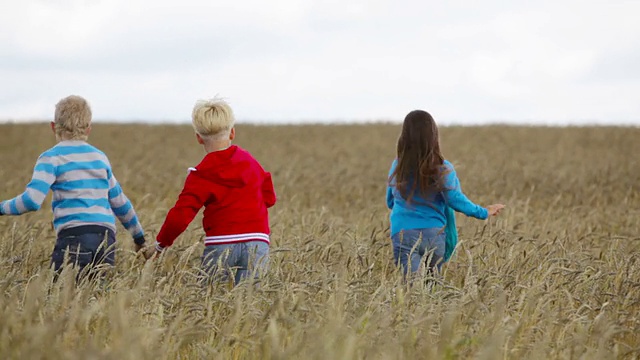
159	248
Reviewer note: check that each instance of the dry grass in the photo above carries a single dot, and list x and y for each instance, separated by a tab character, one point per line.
557	276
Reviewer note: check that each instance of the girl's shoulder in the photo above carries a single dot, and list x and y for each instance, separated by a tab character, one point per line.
393	166
448	171
447	165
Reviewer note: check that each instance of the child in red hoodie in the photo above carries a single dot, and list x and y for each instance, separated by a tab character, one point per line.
235	192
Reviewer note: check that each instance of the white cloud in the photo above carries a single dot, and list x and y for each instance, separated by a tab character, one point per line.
295	60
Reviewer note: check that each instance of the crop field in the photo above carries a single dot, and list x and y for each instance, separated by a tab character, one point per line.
557	275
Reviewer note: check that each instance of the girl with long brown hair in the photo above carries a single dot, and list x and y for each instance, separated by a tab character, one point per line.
421	186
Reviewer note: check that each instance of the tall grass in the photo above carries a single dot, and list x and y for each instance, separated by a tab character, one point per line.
557	276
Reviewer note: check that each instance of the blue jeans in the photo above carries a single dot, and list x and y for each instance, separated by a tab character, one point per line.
84	250
237	260
413	247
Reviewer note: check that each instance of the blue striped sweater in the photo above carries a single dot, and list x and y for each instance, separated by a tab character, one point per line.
85	191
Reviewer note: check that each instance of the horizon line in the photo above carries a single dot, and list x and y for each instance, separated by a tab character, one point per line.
515	123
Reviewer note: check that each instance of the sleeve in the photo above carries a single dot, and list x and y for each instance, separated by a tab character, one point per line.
44	175
457	200
389	197
191	200
390	186
268	192
123	209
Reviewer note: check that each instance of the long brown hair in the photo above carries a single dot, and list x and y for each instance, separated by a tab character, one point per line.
420	161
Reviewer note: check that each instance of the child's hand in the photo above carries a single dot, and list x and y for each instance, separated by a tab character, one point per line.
494	209
137	247
149	252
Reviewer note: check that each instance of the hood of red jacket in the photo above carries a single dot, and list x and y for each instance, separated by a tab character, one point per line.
232	167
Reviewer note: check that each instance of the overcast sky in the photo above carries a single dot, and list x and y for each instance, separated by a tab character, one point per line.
545	61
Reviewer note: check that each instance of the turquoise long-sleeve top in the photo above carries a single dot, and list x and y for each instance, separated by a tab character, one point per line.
423	213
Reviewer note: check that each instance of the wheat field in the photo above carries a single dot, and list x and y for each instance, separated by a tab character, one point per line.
557	275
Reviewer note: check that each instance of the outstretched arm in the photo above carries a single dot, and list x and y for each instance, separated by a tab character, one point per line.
122	208
457	200
191	200
44	175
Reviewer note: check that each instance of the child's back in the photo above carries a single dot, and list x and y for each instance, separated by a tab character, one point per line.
86	194
429	212
422	188
235	192
85	191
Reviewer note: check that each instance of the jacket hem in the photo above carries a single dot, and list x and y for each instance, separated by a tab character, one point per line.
237	238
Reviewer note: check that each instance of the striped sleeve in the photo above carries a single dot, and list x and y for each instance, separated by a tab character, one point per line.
122	208
44	175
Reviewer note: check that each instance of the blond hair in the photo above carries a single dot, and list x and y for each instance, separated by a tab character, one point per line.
72	118
212	119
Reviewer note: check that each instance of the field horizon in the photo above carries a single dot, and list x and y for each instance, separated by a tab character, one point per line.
557	275
353	122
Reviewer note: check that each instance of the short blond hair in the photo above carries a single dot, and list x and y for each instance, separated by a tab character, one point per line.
72	118
212	119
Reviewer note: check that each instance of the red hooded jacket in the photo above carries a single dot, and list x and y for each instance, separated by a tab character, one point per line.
235	192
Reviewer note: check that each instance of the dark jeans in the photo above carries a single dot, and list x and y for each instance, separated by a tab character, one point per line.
237	261
84	250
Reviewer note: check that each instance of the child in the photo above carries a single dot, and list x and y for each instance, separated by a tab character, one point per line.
421	185
86	193
235	192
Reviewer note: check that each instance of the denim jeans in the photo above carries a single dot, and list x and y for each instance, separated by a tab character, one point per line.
237	260
413	247
84	250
